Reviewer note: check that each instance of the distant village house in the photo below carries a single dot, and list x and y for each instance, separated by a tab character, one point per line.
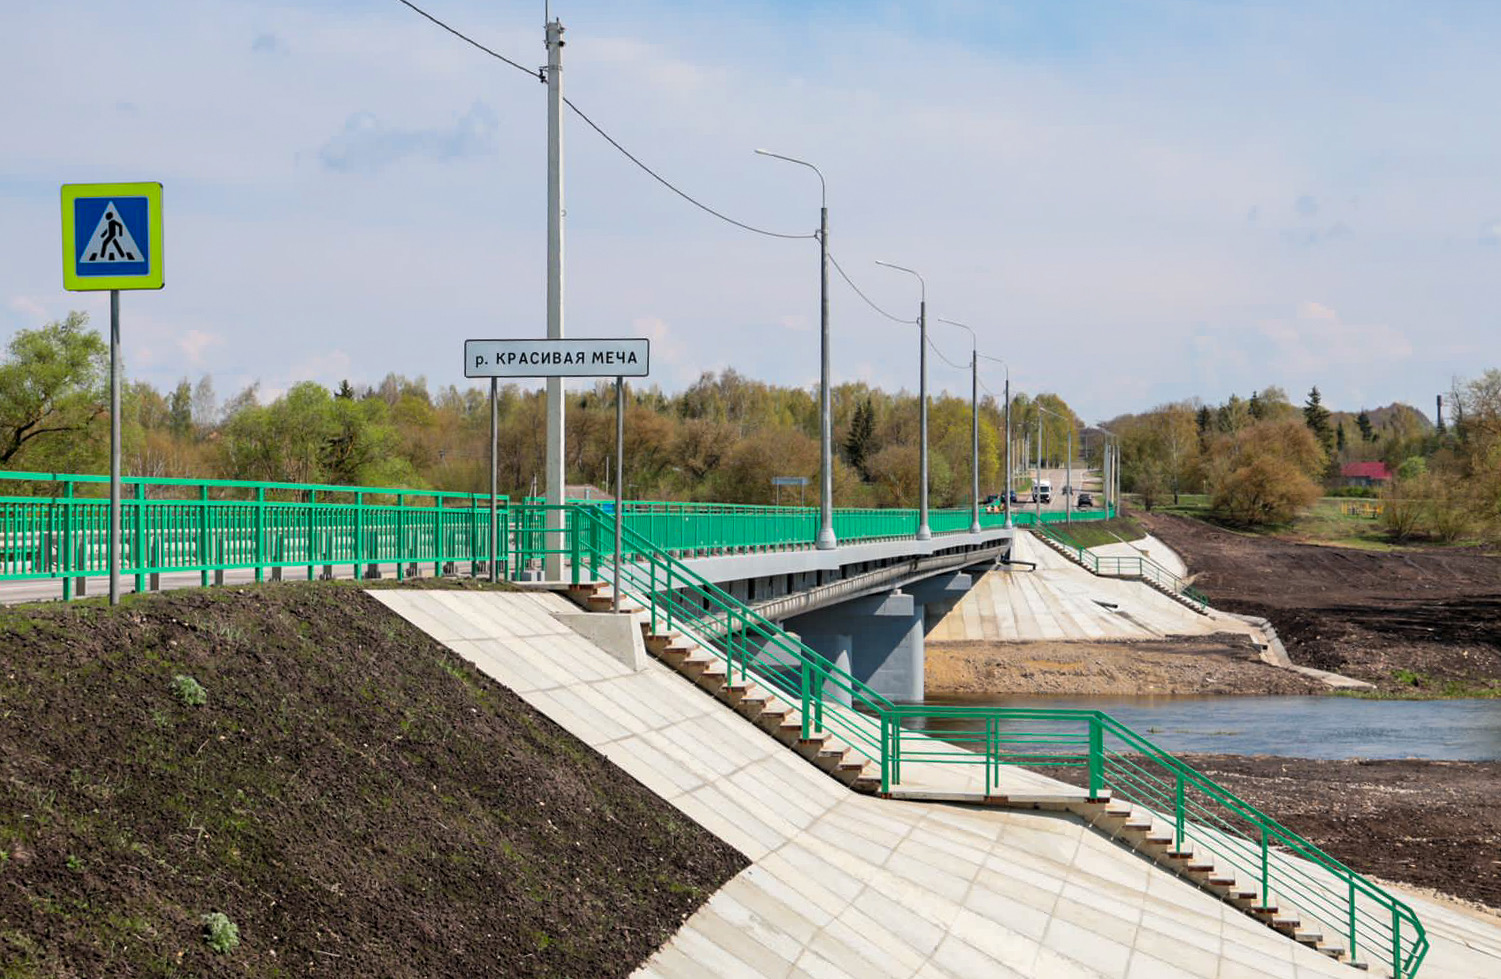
1365	474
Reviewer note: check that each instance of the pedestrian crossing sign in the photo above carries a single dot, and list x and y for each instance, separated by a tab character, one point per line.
112	236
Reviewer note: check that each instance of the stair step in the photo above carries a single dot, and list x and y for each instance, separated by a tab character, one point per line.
1333	951
1199	868
1308	937
1286	924
1220	880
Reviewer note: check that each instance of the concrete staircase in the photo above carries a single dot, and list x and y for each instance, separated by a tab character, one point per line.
1073	555
1130	826
748	699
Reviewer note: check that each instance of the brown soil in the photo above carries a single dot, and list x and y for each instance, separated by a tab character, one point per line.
357	799
1433	614
1434	824
1219	664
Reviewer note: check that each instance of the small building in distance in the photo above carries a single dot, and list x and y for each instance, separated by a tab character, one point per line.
1365	474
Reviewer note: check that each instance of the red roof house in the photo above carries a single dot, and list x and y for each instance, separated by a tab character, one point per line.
1365	473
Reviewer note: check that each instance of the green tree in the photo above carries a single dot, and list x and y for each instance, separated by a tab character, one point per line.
52	391
1363	422
1316	417
857	443
180	409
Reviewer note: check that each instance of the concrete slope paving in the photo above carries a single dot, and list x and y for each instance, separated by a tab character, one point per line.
1062	601
849	885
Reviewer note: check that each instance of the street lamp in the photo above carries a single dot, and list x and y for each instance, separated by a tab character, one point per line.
1008	433
974	424
1068	478
923	531
1112	465
826	539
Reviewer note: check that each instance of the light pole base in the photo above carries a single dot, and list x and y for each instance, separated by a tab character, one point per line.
826	540
924	533
974	528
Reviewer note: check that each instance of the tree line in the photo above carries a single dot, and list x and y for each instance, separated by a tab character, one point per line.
1263	459
722	439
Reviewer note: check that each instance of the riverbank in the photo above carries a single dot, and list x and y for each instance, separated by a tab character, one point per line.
1222	663
1420	623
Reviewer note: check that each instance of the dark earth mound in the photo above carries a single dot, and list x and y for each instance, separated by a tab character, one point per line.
355	798
1412	622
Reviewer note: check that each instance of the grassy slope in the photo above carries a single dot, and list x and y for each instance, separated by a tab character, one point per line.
1322	523
1093	533
354	797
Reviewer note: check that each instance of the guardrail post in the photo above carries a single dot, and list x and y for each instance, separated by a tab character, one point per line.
438	549
67	540
203	549
885	752
401	541
140	544
571	526
1096	757
260	532
806	694
1352	917
359	532
1396	944
312	540
1266	874
1178	815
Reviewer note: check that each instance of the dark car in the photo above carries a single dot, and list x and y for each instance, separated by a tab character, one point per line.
1085	501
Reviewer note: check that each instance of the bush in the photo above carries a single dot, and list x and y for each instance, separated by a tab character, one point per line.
189	691
1265	473
222	935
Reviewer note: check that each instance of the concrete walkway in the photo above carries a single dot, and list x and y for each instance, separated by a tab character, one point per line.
848	885
1061	601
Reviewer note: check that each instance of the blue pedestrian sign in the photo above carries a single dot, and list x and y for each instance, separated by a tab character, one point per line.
112	236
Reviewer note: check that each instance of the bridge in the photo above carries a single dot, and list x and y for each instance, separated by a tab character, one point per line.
741	598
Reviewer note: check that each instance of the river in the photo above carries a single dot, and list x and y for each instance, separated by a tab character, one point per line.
1301	727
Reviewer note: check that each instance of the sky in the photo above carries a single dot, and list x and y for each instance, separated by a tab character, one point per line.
1130	203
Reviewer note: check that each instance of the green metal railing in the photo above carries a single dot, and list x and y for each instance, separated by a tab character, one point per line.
1126	566
60	530
1286	870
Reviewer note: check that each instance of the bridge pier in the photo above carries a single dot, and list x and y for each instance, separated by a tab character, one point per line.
881	636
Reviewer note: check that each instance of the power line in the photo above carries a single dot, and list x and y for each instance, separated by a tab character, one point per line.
840	269
958	367
536	73
665	183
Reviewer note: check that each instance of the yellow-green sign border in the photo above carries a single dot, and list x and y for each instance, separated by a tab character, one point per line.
155	276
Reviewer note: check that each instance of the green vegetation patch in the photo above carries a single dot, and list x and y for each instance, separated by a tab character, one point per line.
1094	533
347	797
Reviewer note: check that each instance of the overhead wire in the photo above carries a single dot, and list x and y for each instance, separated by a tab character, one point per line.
541	74
958	367
536	73
666	183
868	301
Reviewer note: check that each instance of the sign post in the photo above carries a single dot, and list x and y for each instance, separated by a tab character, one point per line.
618	358
112	240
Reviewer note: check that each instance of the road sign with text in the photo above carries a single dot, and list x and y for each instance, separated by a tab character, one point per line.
112	236
557	358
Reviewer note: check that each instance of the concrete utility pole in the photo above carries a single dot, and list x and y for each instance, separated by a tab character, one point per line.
1112	470
1036	493
1008	432
826	539
1068	479
974	424
553	564
924	532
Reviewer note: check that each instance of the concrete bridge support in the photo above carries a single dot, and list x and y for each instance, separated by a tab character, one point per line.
882	637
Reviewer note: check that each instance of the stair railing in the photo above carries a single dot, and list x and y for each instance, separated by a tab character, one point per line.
1123	566
1286	870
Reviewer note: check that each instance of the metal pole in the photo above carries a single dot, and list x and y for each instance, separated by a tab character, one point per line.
1008	448
923	531
974	439
826	539
1068	478
494	464
619	482
1036	489
553	563
114	447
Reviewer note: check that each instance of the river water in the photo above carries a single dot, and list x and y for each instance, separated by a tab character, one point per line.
1300	727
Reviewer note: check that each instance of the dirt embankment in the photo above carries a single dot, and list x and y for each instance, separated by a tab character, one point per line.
352	796
1217	664
1426	622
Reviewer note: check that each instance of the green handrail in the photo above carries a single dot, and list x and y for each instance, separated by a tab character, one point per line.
1201	812
1125	566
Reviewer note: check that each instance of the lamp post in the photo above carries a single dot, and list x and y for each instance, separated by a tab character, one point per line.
923	531
826	539
1008	433
974	424
1112	470
1068	503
